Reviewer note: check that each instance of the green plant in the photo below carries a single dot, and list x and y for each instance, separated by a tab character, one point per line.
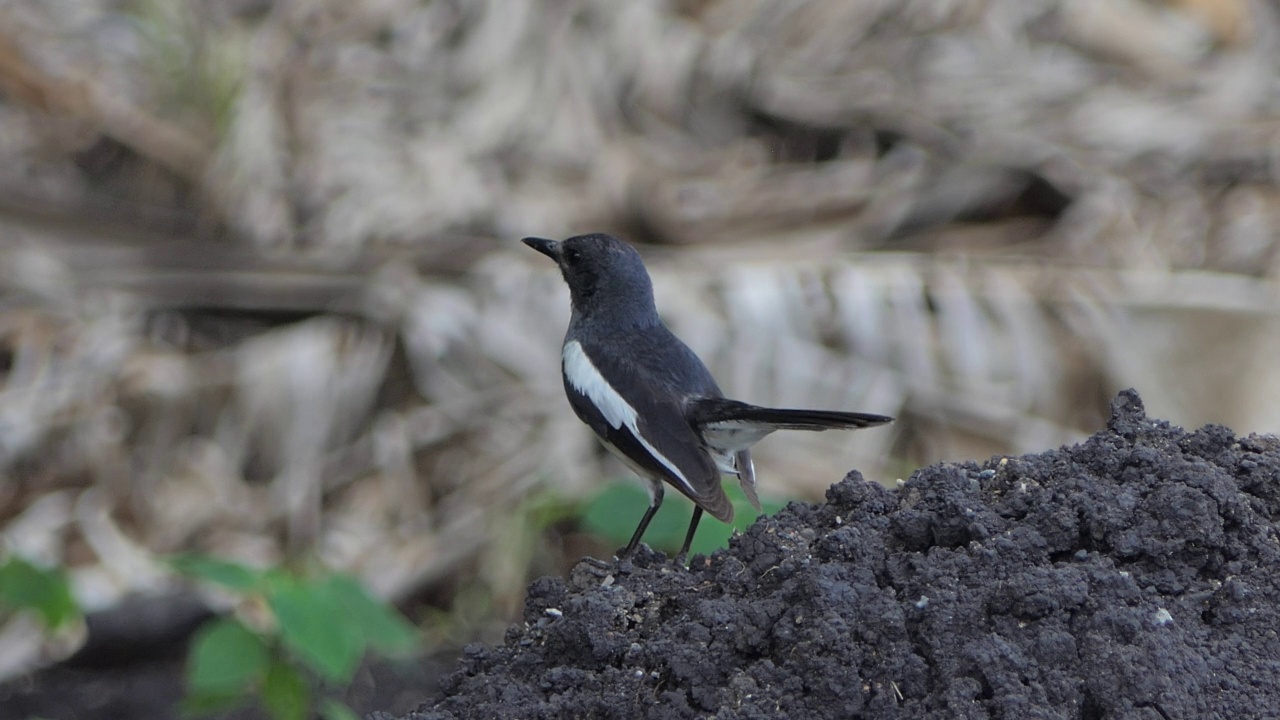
309	640
613	512
197	66
45	591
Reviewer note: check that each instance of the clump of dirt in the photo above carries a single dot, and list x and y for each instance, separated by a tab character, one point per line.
1135	575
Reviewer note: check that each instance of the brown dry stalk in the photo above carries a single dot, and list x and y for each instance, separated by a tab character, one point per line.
79	96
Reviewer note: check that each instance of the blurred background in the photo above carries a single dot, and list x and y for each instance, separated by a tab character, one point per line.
261	295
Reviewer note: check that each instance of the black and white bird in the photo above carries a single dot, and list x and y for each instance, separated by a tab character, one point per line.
648	397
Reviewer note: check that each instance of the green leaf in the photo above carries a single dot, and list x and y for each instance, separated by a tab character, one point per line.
315	627
331	709
381	626
222	572
275	579
615	510
285	693
197	704
25	586
225	659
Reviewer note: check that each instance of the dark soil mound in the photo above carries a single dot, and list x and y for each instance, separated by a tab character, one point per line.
1136	575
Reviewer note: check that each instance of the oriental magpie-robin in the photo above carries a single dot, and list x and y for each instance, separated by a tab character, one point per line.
648	397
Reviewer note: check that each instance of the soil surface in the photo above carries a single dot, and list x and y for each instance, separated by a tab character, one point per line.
1136	575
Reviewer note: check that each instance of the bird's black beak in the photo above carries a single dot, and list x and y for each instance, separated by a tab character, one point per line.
550	248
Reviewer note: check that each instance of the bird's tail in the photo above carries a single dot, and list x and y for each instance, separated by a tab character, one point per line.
712	412
729	426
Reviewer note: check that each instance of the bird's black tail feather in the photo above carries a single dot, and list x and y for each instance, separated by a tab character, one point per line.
719	410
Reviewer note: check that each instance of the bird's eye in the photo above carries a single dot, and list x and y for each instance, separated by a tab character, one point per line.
572	256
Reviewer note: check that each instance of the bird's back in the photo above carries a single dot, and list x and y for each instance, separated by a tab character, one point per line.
656	354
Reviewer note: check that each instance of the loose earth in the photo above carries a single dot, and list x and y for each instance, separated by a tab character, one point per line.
1136	575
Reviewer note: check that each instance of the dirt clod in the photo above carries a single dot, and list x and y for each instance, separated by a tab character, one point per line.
1134	575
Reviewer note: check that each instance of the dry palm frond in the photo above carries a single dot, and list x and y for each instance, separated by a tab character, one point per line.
602	104
285	440
79	99
1069	198
875	331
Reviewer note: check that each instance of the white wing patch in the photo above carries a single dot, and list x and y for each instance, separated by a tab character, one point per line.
586	379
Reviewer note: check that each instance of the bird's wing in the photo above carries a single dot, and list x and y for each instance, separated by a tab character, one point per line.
731	426
643	418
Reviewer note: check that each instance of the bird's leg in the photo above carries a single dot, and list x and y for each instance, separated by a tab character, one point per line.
655	502
688	537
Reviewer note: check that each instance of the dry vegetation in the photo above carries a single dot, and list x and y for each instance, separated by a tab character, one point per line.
260	295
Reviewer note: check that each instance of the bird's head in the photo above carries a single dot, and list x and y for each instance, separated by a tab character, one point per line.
605	276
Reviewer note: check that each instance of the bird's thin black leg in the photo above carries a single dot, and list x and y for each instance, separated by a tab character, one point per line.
688	537
654	504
